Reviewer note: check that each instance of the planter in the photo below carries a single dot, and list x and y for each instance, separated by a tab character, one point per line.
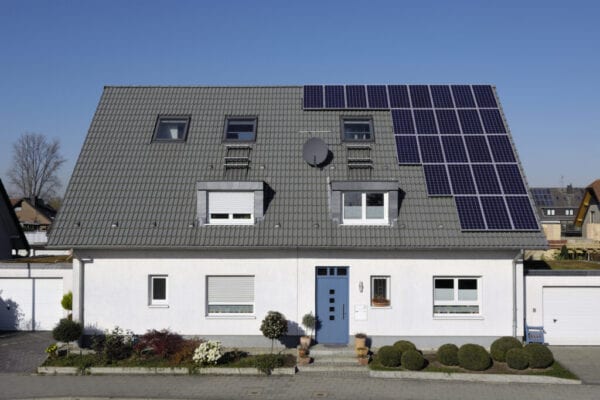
363	360
362	352
302	352
360	340
305	341
380	302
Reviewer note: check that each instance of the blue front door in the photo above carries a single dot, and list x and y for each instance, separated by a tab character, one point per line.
332	305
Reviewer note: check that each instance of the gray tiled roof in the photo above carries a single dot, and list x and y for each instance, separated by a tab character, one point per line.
121	176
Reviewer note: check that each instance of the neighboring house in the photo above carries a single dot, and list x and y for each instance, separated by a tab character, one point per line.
556	208
588	214
398	211
34	214
12	238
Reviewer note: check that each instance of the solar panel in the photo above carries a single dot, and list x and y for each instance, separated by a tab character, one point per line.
485	177
469	121
334	96
441	96
377	96
425	122
454	149
521	212
478	149
399	96
408	152
463	98
419	95
447	122
461	179
436	179
495	212
356	96
403	122
510	178
501	148
542	196
469	213
313	96
484	94
492	121
431	150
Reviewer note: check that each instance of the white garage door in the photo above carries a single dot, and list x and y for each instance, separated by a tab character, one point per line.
571	315
30	304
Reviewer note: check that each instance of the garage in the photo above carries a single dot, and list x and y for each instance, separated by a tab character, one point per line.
571	315
30	303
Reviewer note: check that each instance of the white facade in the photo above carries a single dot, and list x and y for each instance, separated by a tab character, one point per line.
115	288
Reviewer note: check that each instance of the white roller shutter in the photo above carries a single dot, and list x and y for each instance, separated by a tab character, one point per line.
231	202
230	289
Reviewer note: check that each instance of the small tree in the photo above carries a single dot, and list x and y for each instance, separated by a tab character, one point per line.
67	331
67	303
309	322
273	326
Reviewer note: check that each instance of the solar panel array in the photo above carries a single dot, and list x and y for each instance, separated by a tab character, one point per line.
457	133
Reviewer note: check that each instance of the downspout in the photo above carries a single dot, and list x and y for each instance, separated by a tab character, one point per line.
518	259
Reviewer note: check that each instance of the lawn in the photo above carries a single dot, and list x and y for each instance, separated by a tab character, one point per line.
561	265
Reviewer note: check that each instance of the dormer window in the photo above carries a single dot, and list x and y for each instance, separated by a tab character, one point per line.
240	130
365	208
169	129
364	202
357	129
230	208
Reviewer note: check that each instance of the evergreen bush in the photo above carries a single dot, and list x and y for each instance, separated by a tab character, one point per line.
517	358
474	357
274	326
412	360
447	354
539	355
502	345
404	345
389	356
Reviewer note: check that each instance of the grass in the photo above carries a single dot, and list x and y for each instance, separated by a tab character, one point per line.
561	265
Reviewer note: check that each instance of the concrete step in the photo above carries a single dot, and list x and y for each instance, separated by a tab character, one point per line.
320	350
314	368
336	360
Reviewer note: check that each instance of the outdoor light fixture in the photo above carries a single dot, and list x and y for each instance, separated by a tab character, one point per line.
360	286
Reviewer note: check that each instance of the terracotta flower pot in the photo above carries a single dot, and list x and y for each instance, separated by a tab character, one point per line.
362	352
360	340
363	360
305	341
380	302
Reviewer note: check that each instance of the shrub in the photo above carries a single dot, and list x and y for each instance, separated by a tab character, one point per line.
404	345
473	357
52	350
517	358
266	363
539	355
67	330
185	352
309	322
447	354
116	344
273	326
67	301
502	345
389	356
162	343
412	360
208	352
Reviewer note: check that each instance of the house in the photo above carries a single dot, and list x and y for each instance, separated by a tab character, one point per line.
12	238
33	214
399	211
556	207
588	214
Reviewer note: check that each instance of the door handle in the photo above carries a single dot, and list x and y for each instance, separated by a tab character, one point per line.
343	311
554	320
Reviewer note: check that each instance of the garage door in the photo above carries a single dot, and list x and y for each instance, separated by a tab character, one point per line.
30	304
571	315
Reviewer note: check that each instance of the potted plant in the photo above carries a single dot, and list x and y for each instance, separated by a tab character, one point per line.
380	301
309	322
360	340
362	352
303	357
363	360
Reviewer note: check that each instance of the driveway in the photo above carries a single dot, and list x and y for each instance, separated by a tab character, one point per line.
23	351
583	361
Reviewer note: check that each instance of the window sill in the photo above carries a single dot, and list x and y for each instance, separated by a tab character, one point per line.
158	306
381	307
459	317
230	316
375	223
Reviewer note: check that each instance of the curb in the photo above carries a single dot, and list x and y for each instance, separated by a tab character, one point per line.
136	371
159	371
245	371
58	370
492	378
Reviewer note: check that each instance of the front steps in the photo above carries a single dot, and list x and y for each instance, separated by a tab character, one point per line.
335	360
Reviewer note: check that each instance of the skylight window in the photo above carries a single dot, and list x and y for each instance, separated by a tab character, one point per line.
171	129
240	129
357	129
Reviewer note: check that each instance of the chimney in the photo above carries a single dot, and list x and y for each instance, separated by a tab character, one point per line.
570	188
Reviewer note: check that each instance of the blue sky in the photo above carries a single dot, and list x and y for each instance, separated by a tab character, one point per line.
544	58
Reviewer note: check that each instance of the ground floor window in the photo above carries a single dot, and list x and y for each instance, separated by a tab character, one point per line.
456	295
380	291
158	290
230	294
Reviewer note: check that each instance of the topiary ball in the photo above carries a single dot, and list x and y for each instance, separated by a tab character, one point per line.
447	354
67	330
389	356
539	355
474	357
404	345
412	360
517	359
502	345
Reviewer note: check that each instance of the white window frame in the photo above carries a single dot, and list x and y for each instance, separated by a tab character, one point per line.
387	280
569	212
550	211
158	302
225	303
456	301
230	220
364	220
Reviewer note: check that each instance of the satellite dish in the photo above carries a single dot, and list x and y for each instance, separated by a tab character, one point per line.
315	151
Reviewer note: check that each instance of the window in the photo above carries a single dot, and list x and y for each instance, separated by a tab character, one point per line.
453	296
230	295
550	212
158	290
357	129
170	129
380	291
230	208
568	212
365	208
240	129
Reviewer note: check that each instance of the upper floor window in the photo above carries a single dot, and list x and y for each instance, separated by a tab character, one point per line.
230	208
240	129
357	129
550	212
365	208
569	212
171	129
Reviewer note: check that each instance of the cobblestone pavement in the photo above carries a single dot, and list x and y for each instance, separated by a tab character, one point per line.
583	361
317	386
23	351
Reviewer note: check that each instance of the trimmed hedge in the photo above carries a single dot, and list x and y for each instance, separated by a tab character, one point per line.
404	345
502	345
389	356
539	355
447	354
517	359
413	360
474	357
67	330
